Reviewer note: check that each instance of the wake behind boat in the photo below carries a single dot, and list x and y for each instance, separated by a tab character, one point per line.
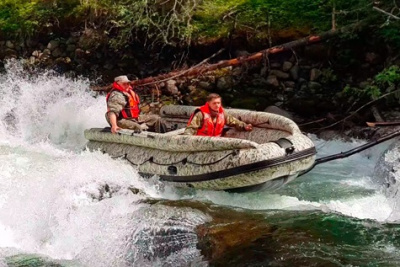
271	155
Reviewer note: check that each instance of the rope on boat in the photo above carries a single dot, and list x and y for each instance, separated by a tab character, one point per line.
183	161
352	151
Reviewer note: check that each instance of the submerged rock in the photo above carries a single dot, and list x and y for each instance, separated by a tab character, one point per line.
387	174
33	260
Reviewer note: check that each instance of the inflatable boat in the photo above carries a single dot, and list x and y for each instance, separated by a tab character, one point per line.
271	155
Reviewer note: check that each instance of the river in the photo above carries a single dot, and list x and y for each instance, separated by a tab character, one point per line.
63	205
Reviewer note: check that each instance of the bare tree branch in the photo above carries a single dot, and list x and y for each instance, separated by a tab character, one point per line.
386	13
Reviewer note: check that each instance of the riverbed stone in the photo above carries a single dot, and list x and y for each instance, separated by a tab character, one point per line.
272	80
224	82
315	74
279	74
287	65
57	52
294	72
314	86
10	44
289	84
205	85
171	87
53	44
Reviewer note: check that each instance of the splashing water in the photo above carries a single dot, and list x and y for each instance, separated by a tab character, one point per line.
58	200
66	203
36	107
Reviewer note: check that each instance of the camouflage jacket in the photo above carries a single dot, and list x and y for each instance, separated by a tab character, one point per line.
197	121
116	102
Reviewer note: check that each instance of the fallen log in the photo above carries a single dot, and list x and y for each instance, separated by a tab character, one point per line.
202	68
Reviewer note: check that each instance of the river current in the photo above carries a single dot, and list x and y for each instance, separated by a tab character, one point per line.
63	205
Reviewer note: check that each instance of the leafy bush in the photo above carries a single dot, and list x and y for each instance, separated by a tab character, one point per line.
384	82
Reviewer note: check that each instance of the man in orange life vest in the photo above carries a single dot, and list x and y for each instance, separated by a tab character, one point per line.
123	108
210	119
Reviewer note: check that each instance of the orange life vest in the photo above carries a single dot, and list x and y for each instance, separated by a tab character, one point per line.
209	128
131	109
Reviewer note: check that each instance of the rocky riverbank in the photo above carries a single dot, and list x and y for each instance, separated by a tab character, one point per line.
307	82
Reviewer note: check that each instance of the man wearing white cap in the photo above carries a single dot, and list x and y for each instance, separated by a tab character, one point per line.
123	108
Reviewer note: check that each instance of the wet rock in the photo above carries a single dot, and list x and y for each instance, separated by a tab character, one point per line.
315	74
220	238
276	65
237	71
36	53
387	174
32	60
241	53
289	84
287	65
272	80
171	87
294	72
10	53
47	52
279	111
53	44
280	74
57	52
71	48
224	83
10	44
205	85
314	86
264	71
31	43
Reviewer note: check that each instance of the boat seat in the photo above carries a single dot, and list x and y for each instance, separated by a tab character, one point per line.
175	132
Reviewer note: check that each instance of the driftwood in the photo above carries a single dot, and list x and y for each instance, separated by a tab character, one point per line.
383	123
202	68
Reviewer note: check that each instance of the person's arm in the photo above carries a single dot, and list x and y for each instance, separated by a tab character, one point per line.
113	122
115	104
238	124
194	125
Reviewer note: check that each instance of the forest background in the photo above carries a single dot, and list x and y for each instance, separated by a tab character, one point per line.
354	71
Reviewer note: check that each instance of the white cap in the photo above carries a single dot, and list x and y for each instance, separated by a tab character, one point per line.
122	79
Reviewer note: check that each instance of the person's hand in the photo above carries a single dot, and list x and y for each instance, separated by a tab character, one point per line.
115	129
144	127
248	127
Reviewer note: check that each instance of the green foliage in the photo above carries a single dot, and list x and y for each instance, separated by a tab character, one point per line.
369	92
391	34
178	22
22	18
327	76
386	81
389	78
222	16
160	22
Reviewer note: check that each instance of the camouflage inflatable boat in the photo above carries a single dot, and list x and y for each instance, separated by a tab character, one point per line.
274	153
